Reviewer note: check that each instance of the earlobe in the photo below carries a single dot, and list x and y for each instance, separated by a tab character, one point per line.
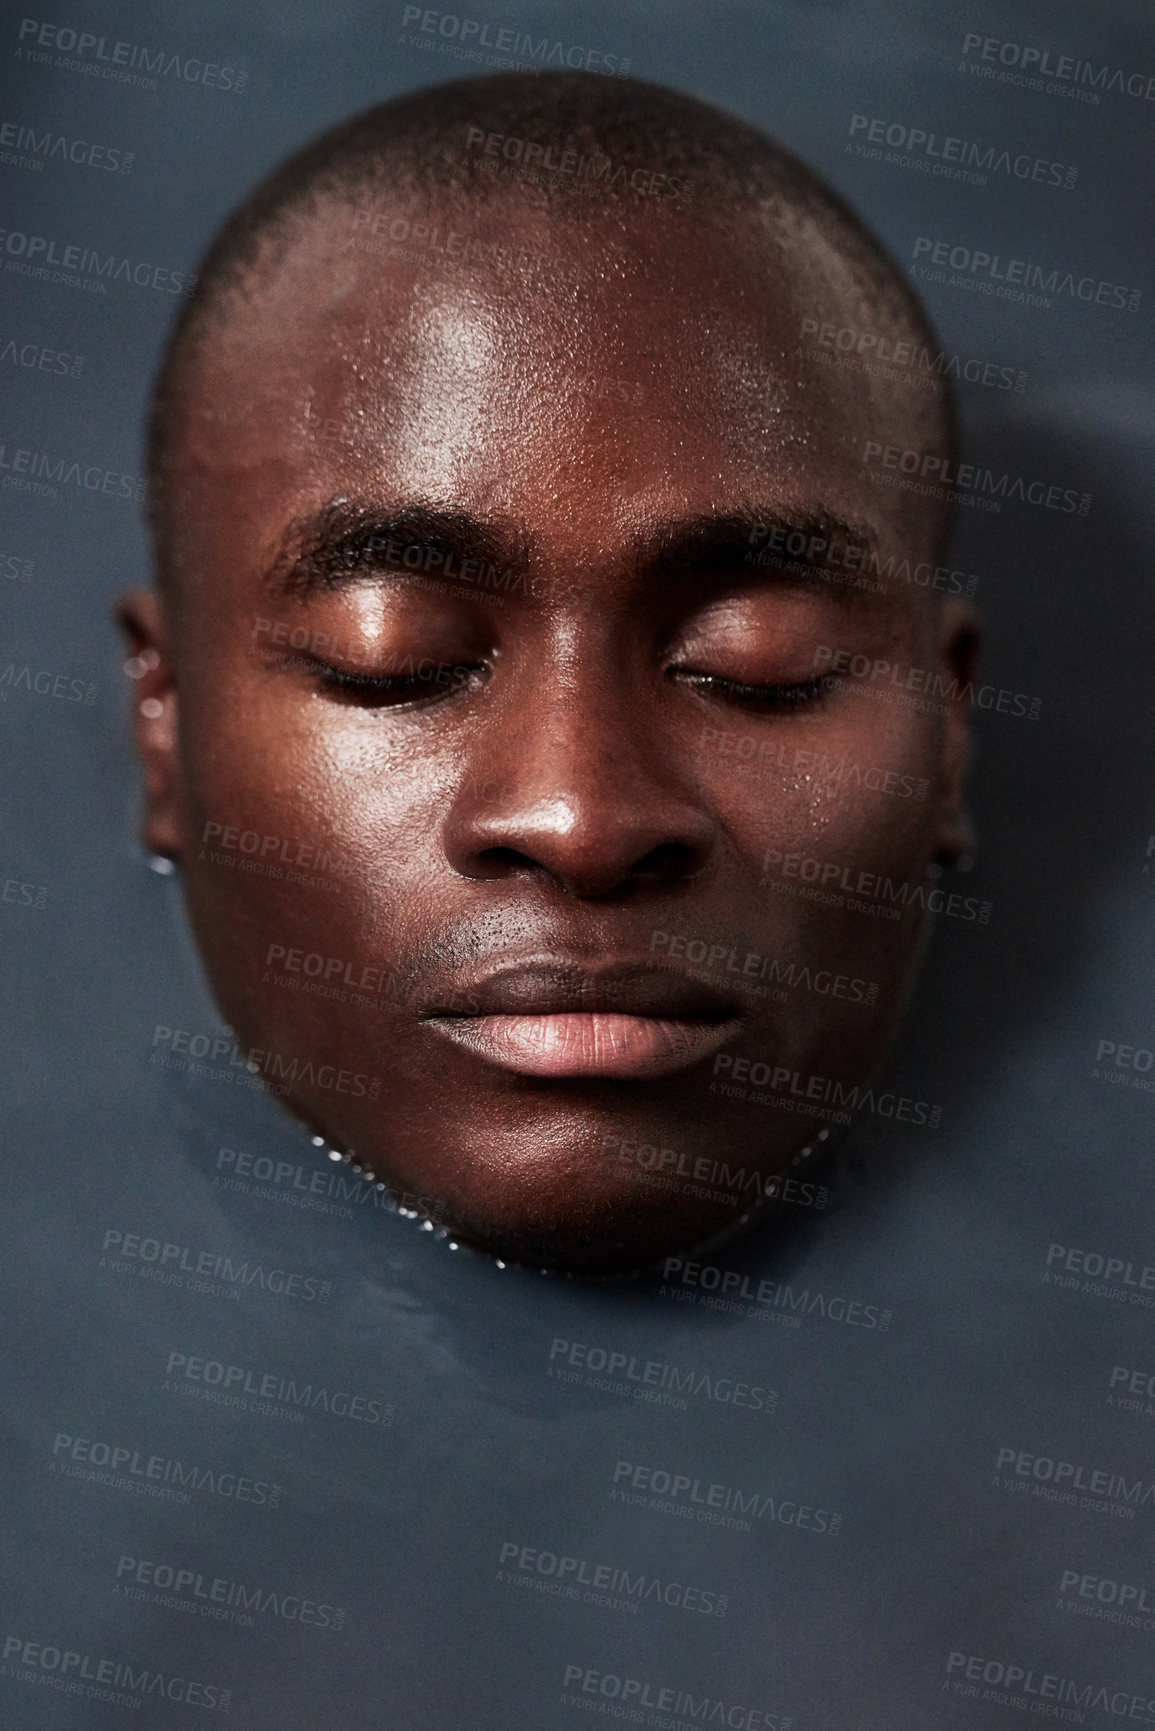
959	638
151	674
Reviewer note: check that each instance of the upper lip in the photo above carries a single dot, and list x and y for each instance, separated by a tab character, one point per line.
557	986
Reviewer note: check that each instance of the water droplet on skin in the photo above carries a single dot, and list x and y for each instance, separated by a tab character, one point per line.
425	1224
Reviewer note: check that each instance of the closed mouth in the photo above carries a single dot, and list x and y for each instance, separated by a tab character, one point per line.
555	1020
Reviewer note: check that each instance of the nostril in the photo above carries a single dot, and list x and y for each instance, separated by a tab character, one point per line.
510	858
669	859
608	832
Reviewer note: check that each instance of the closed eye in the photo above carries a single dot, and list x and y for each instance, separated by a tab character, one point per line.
433	683
777	698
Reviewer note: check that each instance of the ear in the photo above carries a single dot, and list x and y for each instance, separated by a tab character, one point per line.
959	636
150	669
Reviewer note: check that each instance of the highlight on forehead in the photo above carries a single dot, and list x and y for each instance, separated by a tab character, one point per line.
422	149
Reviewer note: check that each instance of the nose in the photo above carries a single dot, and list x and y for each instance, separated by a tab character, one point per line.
580	788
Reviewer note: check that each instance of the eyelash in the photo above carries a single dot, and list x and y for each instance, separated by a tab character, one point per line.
778	697
391	691
394	691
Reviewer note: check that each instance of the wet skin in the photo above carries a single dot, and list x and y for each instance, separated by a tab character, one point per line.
538	788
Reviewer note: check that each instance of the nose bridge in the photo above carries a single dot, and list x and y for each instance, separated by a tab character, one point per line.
569	708
582	727
570	775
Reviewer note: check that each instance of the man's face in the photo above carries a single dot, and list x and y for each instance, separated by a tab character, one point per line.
496	767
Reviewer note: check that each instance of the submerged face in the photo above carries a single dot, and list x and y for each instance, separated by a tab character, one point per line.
495	765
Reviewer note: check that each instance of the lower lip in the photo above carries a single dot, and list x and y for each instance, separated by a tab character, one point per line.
587	1043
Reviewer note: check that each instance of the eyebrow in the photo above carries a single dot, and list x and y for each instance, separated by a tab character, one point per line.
784	548
345	544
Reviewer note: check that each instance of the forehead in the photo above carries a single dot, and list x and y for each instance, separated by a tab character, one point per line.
621	361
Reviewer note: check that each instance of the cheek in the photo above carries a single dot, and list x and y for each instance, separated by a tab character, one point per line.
859	786
836	828
301	790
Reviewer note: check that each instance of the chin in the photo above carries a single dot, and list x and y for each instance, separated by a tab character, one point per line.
606	1241
561	1201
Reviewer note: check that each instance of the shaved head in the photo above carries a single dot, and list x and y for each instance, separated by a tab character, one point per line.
629	154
